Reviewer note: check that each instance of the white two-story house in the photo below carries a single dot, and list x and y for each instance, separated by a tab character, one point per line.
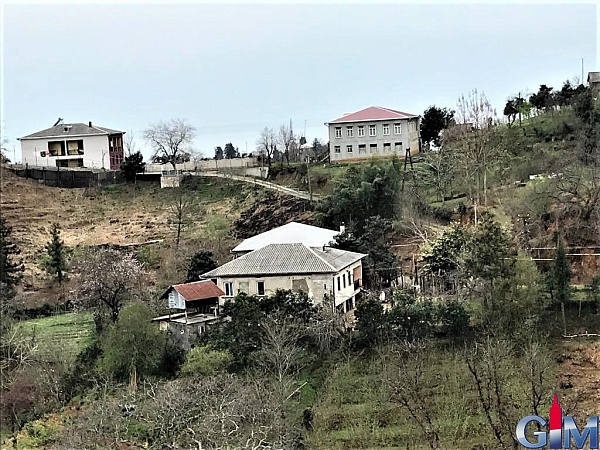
373	132
74	145
324	273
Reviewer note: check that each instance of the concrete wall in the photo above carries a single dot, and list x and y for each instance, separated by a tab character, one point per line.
409	138
93	149
212	164
170	181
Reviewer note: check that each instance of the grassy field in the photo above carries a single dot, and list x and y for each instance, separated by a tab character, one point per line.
66	333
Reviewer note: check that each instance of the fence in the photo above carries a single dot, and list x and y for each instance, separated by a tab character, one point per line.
211	164
69	177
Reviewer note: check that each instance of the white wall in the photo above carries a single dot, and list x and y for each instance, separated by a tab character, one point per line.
93	147
344	293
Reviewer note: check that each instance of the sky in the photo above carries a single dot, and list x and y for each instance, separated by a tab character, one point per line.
232	69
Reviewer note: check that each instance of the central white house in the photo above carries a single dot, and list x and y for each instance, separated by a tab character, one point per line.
322	272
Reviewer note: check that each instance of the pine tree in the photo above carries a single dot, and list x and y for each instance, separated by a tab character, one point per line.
11	271
559	280
56	264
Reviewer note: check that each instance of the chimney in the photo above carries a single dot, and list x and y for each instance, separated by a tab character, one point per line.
342	228
90	124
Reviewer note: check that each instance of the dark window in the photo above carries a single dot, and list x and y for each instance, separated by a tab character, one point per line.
339	284
260	287
344	279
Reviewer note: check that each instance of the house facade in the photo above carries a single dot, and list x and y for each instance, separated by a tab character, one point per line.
74	145
326	274
373	132
291	233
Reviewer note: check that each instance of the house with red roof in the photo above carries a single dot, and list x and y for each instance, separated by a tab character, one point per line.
373	132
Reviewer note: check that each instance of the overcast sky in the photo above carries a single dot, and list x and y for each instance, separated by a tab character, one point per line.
231	70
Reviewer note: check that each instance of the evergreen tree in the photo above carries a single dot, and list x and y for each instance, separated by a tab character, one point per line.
11	271
201	262
434	121
559	280
132	165
219	152
230	151
56	265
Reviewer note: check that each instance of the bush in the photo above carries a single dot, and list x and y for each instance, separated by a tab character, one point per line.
205	361
40	433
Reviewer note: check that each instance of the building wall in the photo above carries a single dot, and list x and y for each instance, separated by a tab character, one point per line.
409	138
93	149
315	285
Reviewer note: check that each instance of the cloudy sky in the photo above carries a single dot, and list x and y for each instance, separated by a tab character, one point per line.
231	70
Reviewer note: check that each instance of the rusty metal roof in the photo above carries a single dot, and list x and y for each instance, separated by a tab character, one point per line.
198	290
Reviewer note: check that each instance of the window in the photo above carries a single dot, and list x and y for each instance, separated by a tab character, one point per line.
387	147
338	132
361	131
398	147
411	126
362	148
372	130
228	289
260	287
349	278
386	129
337	149
243	287
325	287
56	148
397	128
75	147
339	284
349	131
373	148
344	279
349	148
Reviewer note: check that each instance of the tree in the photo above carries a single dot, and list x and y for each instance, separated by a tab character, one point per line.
286	139
108	281
11	271
559	282
130	144
56	264
267	144
170	141
132	165
434	121
594	292
183	208
133	345
219	152
370	322
543	99
230	151
201	262
511	111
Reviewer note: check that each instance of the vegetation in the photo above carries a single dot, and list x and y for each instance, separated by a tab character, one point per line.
132	165
202	261
56	262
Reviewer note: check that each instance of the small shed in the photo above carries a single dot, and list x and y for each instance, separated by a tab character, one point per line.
197	308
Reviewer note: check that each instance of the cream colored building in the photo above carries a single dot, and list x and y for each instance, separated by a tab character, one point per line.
321	272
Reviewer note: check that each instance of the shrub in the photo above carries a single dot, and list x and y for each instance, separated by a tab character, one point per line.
205	361
40	433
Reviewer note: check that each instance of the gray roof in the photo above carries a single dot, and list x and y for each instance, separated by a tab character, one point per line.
282	259
291	233
74	129
593	77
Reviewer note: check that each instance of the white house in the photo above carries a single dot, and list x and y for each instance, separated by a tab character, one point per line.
321	272
291	233
74	145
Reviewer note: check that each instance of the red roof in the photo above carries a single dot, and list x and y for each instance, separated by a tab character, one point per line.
198	290
373	113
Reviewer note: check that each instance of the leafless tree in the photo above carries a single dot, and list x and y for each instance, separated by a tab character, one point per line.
171	141
286	139
183	208
476	120
408	382
16	353
538	372
130	144
109	279
267	144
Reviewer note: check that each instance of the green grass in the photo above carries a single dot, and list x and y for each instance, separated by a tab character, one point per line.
64	334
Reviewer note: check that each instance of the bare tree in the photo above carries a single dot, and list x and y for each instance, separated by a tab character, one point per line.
267	144
183	209
171	141
286	138
16	353
108	281
130	144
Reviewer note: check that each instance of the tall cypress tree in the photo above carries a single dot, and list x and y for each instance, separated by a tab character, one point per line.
57	264
560	278
11	270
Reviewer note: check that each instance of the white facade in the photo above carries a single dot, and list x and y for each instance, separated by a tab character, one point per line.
95	151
